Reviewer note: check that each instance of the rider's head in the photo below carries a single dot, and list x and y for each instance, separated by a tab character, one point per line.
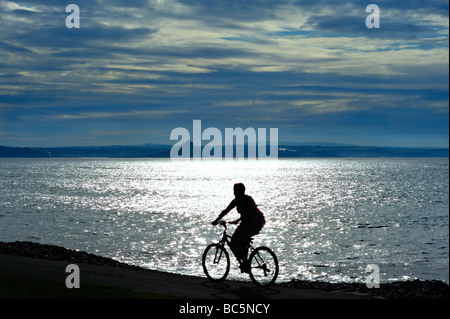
239	189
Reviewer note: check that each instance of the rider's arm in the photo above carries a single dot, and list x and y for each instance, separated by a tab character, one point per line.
224	212
234	222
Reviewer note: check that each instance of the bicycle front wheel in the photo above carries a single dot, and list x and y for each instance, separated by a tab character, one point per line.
263	266
216	262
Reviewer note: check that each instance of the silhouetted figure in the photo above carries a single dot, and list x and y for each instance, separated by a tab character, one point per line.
252	221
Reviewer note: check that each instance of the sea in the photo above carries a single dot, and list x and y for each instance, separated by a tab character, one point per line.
328	219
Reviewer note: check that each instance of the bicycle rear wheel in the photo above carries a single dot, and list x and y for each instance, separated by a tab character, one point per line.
263	266
216	262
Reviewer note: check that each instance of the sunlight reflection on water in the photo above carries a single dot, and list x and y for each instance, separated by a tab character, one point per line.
326	218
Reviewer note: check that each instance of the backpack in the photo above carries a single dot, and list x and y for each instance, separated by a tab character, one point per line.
256	216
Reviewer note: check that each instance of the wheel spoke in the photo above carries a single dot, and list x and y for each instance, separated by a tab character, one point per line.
263	266
216	262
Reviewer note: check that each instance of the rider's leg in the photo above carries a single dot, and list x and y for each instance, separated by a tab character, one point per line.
240	242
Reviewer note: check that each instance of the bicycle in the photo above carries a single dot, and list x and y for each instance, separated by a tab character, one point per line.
263	262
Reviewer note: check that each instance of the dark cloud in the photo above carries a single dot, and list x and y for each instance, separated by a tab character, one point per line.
97	35
355	26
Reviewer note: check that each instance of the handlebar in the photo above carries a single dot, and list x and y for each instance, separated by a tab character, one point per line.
223	223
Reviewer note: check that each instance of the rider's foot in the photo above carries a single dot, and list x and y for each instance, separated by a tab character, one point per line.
245	267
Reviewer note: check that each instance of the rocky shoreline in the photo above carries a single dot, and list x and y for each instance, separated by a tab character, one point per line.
413	289
416	289
51	252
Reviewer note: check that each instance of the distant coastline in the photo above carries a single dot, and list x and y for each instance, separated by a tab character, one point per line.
163	151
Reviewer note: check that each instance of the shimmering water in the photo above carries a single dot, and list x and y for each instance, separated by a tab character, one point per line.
327	219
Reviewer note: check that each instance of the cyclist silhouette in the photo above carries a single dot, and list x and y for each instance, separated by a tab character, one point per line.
252	221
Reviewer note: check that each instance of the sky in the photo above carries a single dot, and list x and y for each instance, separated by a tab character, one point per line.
135	70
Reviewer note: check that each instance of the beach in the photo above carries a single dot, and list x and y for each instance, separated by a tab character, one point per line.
49	262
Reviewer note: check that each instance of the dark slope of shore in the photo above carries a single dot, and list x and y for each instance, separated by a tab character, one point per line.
398	290
51	252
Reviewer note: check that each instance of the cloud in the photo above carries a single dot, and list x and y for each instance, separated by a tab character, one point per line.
150	114
293	63
93	36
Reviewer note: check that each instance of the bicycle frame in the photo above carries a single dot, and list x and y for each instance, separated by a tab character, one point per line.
226	240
